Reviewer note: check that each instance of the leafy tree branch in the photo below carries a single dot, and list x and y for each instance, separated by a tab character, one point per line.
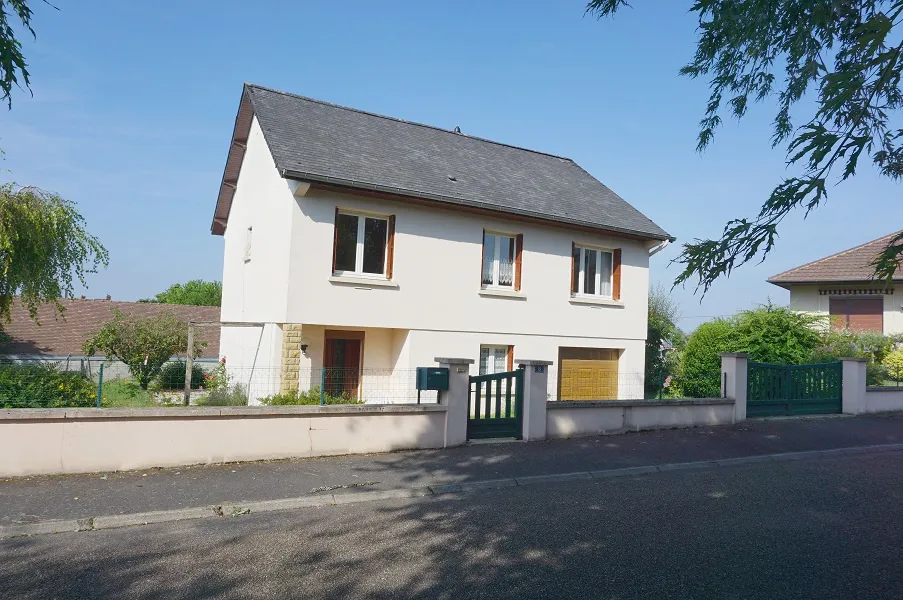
849	55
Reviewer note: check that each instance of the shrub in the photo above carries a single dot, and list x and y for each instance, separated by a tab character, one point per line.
701	369
894	363
237	395
312	396
43	386
838	344
172	376
776	334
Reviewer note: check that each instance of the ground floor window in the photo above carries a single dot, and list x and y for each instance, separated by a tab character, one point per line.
496	359
588	373
857	314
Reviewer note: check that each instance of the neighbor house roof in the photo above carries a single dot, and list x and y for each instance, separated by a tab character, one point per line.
55	334
318	142
853	266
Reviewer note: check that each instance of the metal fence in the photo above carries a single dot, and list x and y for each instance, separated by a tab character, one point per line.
84	382
596	384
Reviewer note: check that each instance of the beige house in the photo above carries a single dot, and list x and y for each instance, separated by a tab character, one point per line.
843	287
363	246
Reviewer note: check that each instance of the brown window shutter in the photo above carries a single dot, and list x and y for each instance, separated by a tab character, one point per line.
335	237
390	248
482	256
518	259
573	266
616	274
510	358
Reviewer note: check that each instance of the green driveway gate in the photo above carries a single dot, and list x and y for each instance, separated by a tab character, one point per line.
779	390
496	405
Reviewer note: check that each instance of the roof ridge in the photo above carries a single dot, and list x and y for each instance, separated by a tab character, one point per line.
835	255
397	120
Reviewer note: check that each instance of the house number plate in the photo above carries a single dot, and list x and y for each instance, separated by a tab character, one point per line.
539	369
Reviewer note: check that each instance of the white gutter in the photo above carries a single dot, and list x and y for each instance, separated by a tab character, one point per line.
659	248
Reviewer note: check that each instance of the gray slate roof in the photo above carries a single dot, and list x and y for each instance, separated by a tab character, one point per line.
317	141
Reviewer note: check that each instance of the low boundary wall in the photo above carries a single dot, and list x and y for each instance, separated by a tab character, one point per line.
574	419
54	440
883	399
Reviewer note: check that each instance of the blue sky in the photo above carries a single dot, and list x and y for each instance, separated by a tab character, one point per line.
134	103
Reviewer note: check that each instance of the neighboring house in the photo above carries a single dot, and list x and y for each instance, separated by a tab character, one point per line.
59	338
843	286
369	245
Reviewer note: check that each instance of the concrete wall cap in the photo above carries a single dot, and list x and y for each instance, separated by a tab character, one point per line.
676	402
535	363
225	412
454	361
854	359
735	354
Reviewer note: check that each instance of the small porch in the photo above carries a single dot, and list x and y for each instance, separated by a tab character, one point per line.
344	364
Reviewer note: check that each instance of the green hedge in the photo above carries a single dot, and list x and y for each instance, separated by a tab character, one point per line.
43	386
309	397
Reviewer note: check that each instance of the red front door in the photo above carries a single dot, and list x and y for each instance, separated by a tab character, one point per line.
342	361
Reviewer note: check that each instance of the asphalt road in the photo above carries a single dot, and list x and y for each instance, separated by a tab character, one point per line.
32	499
826	528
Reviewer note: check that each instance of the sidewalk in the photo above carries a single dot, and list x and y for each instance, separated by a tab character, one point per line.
33	499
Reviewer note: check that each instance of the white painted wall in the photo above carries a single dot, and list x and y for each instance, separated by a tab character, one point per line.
117	440
806	298
883	400
437	269
575	419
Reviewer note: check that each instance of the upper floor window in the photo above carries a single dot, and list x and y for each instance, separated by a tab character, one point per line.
363	245
594	272
502	260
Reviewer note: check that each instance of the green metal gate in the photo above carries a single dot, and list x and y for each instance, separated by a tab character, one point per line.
496	405
778	390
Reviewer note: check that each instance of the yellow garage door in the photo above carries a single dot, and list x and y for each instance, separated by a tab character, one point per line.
588	374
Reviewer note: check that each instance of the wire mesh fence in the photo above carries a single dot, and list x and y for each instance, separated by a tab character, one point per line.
83	382
575	384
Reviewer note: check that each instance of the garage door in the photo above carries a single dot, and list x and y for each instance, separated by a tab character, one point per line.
588	374
857	314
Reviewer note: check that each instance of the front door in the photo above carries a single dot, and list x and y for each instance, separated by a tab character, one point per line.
342	362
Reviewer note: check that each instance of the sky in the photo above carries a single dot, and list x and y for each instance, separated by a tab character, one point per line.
133	106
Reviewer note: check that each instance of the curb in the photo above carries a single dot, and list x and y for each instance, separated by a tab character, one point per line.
236	509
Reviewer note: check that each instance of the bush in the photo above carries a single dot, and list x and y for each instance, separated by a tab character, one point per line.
312	396
701	370
894	364
43	386
237	395
838	344
776	335
172	376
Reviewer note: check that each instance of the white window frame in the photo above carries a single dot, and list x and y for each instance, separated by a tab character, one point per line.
581	273
359	250
495	285
492	349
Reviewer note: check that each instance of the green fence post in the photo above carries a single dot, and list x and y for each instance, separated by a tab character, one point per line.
100	385
322	386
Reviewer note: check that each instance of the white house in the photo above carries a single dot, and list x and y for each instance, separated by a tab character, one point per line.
843	287
368	246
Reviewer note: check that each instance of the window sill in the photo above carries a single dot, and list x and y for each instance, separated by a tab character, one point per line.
596	301
491	293
362	282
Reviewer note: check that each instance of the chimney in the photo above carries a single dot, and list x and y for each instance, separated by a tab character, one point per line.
107	298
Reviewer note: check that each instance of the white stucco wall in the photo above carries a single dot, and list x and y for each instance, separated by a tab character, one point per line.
256	290
575	419
807	298
437	270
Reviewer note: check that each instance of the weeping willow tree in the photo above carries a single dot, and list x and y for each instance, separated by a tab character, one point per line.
44	248
844	55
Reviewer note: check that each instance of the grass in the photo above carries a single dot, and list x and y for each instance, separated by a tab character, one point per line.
125	393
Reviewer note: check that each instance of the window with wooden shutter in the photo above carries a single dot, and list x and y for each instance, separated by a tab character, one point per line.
510	358
518	260
390	249
857	314
592	272
499	268
361	244
616	274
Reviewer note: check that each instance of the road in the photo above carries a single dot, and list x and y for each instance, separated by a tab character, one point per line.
814	528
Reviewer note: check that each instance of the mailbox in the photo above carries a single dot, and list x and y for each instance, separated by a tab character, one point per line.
432	378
